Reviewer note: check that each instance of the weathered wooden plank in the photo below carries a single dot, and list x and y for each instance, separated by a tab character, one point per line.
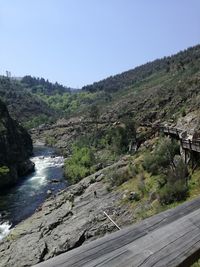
166	239
193	145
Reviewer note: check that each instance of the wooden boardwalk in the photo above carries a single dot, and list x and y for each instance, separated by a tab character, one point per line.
193	145
170	239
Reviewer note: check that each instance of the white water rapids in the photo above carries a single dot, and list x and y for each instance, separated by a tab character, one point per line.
21	201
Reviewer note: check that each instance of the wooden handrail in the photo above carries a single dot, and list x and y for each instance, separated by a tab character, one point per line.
193	144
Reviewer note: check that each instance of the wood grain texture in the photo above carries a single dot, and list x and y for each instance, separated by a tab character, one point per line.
170	239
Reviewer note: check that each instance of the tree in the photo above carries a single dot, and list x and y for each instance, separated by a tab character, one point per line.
131	133
94	113
80	164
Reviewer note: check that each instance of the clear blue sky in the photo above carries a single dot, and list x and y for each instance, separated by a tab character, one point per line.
77	42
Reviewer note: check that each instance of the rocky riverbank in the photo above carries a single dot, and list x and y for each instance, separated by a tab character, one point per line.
73	217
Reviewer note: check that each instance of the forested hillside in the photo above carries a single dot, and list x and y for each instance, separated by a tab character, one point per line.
155	90
22	104
129	78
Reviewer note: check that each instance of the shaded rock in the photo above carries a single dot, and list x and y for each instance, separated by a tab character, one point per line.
134	196
15	149
54	181
49	192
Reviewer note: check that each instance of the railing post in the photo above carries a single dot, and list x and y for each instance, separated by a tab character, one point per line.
190	144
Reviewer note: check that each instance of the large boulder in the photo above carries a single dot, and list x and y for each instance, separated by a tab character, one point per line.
15	149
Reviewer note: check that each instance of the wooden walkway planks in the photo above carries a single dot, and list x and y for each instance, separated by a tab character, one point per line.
168	239
193	145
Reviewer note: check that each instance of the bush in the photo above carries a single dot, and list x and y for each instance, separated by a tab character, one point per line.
150	163
50	140
116	140
4	170
173	192
118	177
183	112
80	164
141	184
162	157
170	169
176	187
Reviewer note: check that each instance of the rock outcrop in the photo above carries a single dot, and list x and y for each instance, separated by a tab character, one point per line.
66	221
15	149
65	132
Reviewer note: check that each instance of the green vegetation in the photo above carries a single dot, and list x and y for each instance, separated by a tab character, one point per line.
162	89
50	141
166	163
162	156
23	105
4	170
196	264
38	120
118	177
80	164
40	85
174	63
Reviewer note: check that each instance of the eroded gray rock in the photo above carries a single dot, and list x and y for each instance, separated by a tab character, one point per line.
65	221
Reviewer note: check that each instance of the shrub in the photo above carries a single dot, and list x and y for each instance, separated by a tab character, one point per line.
170	169
176	187
80	164
141	184
150	163
183	112
118	177
173	192
162	157
116	140
50	140
4	170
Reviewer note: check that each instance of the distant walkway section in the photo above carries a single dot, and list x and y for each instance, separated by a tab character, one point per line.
189	143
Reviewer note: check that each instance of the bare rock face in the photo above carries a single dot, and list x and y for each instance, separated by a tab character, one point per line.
15	149
190	123
66	221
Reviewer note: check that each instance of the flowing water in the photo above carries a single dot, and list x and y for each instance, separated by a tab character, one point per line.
21	201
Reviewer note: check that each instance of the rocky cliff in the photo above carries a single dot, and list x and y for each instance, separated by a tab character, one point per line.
15	149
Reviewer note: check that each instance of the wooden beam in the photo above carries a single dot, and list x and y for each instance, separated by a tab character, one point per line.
170	239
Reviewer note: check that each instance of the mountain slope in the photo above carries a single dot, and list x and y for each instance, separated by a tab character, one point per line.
22	104
138	74
170	90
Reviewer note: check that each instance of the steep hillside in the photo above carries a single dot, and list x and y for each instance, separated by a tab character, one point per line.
131	77
34	101
15	149
40	85
161	91
22	104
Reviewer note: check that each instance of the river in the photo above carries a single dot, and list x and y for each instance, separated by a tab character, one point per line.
21	201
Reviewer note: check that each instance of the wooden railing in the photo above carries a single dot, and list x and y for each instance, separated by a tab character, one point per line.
193	144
